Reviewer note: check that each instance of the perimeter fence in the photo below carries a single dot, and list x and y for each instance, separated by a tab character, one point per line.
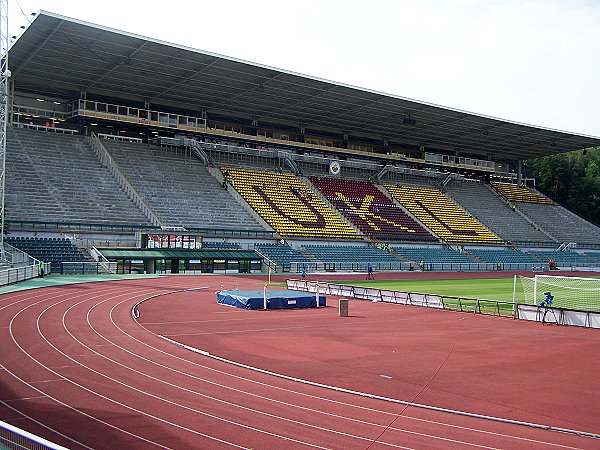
537	313
395	266
22	273
15	438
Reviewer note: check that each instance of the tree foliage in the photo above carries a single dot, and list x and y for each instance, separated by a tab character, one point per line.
572	179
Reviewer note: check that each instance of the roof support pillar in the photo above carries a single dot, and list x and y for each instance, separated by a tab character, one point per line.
519	173
11	102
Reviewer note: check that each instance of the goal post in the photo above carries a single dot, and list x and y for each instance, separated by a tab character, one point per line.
568	292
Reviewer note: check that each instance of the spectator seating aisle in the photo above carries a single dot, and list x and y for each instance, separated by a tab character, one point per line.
370	210
53	250
282	254
289	205
351	254
495	213
433	255
180	190
442	215
57	178
516	193
504	256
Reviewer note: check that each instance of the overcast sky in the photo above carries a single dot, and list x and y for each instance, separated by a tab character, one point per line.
536	62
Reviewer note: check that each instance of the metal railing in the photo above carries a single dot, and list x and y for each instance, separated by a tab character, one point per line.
15	256
101	259
57	130
39	225
86	268
17	274
353	266
13	437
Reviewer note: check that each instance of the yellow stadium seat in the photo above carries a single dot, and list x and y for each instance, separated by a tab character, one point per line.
289	205
444	217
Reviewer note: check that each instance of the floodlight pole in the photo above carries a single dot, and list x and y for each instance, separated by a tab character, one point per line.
4	108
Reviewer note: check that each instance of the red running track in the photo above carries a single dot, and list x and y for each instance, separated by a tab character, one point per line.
77	369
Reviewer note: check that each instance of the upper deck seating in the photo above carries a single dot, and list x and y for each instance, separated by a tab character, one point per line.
562	224
516	193
370	210
289	205
180	190
442	215
57	178
495	213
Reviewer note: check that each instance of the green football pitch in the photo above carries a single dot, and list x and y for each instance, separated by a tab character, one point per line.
458	294
499	289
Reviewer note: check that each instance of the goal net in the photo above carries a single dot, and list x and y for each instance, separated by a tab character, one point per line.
568	292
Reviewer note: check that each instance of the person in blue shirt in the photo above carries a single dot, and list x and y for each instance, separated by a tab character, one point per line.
370	272
547	303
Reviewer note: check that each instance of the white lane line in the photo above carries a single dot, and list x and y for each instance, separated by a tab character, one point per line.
56	399
228	374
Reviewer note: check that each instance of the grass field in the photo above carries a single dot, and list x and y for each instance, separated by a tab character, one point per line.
499	289
460	292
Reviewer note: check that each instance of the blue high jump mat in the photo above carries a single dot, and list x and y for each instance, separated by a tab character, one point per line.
275	299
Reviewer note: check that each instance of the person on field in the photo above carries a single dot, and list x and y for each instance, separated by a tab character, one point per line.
370	272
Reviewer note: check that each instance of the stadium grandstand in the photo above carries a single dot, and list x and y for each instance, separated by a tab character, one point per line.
153	157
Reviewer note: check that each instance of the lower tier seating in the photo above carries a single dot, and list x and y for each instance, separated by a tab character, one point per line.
351	254
563	259
282	254
52	250
504	256
221	245
433	255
